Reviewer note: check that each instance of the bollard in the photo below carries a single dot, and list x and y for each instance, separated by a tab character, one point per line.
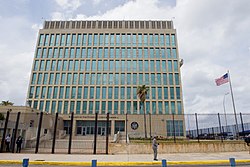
164	163
232	162
25	162
94	162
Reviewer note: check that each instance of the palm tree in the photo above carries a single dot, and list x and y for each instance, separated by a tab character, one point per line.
142	92
6	103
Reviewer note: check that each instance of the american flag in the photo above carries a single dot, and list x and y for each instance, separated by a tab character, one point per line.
222	80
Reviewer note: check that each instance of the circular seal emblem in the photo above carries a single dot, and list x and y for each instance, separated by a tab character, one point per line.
134	125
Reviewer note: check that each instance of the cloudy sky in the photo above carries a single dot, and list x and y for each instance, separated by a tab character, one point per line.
213	37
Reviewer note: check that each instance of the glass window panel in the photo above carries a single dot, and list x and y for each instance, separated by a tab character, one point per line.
80	79
55	92
173	39
104	92
173	107
85	94
165	93
153	93
171	93
110	92
84	107
128	107
79	36
103	107
89	39
98	91
167	40
61	92
170	66
171	79
39	80
68	40
166	107
67	90
159	93
45	79
176	76
110	106
128	92
160	108
153	107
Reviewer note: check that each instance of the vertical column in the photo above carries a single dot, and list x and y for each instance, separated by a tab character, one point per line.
70	133
197	127
107	134
95	135
5	129
54	136
16	128
39	132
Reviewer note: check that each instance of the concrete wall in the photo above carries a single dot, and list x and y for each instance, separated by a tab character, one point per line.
138	148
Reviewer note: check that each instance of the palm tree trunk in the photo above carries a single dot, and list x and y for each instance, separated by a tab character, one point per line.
145	127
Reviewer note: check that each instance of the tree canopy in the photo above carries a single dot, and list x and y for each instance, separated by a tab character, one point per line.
6	103
142	92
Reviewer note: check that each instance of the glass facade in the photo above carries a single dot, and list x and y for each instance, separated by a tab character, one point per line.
89	72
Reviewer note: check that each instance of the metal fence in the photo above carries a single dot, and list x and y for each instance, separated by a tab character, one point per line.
46	133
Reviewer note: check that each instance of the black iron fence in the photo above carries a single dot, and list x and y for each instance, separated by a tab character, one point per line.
48	133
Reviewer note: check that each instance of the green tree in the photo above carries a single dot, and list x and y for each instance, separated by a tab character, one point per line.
6	103
1	116
142	92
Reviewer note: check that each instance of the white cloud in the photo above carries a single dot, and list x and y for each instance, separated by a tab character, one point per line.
213	37
69	4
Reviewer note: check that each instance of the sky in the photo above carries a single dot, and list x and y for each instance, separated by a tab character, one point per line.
213	37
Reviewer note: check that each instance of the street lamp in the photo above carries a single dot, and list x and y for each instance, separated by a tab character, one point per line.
225	109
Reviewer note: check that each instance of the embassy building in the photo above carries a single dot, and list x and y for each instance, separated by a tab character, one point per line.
89	67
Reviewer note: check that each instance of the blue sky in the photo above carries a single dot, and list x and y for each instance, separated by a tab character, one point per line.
213	37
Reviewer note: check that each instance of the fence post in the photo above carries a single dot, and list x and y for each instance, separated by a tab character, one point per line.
242	125
39	131
16	129
5	129
126	127
164	163
70	132
221	137
174	128
150	127
107	134
197	127
95	136
54	136
94	163
232	162
25	162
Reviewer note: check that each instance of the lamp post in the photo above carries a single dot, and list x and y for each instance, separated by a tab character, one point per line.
225	108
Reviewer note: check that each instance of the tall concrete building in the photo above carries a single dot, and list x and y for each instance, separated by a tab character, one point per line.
89	67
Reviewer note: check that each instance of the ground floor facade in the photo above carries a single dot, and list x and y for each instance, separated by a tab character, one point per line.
131	125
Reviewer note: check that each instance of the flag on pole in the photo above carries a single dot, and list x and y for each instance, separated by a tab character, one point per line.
222	80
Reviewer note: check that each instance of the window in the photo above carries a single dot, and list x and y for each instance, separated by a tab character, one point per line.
175	127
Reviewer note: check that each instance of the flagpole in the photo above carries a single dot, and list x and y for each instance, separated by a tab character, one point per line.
235	115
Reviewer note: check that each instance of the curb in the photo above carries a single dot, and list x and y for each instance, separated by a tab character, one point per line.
68	163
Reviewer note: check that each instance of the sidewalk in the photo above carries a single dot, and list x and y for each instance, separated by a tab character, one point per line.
126	159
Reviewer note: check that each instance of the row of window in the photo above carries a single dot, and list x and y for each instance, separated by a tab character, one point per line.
105	79
106	39
107	65
106	53
74	92
113	107
173	128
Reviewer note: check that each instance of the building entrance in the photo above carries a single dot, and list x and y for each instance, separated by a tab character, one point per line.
88	127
